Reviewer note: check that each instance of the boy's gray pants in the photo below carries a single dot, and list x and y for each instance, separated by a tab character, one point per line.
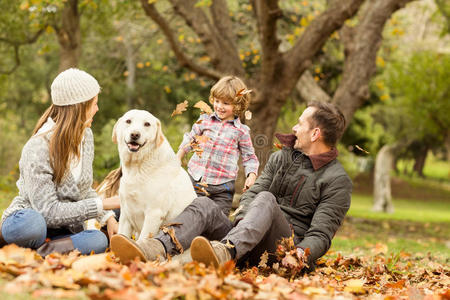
263	225
221	194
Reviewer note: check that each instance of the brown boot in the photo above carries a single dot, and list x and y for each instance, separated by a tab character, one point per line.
210	253
64	245
127	250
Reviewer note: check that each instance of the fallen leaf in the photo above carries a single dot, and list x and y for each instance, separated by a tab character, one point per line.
354	286
92	262
263	260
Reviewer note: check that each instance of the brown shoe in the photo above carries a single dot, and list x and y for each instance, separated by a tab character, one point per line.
210	253
127	250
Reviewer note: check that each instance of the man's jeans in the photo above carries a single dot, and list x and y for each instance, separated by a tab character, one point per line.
27	228
263	225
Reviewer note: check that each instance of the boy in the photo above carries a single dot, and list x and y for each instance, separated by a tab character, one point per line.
216	168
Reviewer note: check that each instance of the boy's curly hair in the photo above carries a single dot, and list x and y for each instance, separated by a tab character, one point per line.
233	89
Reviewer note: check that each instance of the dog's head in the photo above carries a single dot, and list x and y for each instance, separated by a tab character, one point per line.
137	130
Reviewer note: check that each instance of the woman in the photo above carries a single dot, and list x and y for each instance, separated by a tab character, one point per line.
55	183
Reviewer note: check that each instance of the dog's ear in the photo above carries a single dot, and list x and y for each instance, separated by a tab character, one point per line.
114	134
159	135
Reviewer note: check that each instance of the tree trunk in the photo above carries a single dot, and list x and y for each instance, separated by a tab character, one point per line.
69	36
382	197
130	60
419	160
447	147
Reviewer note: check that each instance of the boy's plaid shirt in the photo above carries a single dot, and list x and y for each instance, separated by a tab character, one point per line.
219	161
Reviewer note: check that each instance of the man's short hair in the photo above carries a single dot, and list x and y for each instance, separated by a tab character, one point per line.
329	119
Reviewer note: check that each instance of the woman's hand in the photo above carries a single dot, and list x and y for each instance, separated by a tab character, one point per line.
112	226
249	181
111	203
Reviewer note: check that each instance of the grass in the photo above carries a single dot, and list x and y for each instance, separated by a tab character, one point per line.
434	168
424	211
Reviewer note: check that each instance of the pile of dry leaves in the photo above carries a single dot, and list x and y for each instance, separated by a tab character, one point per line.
101	277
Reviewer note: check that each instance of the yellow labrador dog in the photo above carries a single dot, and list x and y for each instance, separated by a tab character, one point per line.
154	188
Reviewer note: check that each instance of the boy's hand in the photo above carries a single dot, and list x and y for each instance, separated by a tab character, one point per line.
249	181
180	154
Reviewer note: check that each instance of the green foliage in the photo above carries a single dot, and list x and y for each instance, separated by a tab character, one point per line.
13	137
419	86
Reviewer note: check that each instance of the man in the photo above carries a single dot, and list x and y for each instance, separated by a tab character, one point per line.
302	188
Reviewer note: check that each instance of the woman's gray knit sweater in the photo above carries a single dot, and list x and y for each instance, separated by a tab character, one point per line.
68	204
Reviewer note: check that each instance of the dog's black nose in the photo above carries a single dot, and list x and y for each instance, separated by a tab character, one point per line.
135	136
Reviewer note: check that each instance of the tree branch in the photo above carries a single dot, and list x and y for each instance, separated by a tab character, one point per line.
316	34
309	89
182	58
223	28
361	50
16	45
223	57
267	13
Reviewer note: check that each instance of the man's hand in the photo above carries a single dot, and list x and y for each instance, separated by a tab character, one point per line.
112	226
300	252
111	203
249	181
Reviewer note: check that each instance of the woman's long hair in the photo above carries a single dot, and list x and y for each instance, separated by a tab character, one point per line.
67	135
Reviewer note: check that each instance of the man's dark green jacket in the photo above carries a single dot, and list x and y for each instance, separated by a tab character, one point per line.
314	193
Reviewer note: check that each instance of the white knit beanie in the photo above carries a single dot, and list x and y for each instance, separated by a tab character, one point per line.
73	86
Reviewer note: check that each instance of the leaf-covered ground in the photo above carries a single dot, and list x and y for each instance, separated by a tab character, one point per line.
400	276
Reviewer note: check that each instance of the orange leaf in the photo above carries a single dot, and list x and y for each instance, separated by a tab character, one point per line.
243	92
278	146
180	108
201	139
203	107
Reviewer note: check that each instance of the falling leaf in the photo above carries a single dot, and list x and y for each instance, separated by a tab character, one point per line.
278	146
361	149
205	108
248	115
180	108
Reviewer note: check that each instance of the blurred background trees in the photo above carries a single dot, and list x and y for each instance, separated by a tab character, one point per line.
385	63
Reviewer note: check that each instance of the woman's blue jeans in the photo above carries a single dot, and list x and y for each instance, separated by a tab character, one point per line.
27	228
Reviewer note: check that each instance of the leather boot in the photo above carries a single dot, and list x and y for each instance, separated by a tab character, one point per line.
2	240
210	253
127	250
64	245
